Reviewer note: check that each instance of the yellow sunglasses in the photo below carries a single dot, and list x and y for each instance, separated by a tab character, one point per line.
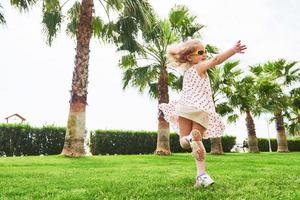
201	52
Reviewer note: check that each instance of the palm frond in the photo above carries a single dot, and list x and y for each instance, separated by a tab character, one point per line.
294	128
256	70
139	10
269	67
167	36
178	15
23	5
127	29
127	25
110	33
129	44
73	15
153	91
127	61
283	72
183	22
226	90
243	97
211	49
289	66
232	118
140	77
127	75
291	74
223	79
267	87
295	92
2	19
224	108
229	66
113	5
296	72
174	81
52	18
215	75
97	26
248	80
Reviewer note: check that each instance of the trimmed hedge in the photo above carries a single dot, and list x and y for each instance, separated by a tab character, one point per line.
122	142
140	142
18	139
294	144
228	142
263	144
22	139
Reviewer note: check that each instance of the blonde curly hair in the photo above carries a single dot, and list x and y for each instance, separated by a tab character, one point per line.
177	54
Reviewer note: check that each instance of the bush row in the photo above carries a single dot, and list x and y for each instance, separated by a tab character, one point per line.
140	142
16	139
263	144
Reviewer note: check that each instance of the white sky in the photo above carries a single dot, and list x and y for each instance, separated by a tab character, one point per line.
35	79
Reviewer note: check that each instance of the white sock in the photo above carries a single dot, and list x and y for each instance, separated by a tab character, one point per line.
202	174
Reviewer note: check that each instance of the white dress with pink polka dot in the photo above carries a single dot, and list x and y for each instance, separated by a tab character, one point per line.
195	103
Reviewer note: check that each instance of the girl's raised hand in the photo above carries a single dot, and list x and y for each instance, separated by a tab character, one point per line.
239	48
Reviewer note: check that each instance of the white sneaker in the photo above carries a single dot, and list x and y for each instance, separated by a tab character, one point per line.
203	180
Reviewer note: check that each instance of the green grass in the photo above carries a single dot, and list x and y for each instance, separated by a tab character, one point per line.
238	176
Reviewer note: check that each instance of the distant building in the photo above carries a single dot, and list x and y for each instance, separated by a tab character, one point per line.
15	119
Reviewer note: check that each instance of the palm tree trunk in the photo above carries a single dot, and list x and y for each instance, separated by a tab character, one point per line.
163	133
282	145
252	140
216	146
75	133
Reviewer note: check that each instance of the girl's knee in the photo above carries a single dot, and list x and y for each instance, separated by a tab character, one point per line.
184	143
197	134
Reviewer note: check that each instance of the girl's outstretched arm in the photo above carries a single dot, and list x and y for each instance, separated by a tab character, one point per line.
205	65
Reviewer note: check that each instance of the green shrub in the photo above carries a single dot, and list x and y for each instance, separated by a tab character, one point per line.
122	142
140	142
294	144
263	144
228	142
22	139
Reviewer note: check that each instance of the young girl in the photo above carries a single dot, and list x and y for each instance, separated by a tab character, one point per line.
194	112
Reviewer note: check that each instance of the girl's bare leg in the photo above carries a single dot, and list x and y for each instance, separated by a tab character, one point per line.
192	130
200	162
185	127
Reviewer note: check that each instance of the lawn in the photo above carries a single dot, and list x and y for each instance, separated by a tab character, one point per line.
237	175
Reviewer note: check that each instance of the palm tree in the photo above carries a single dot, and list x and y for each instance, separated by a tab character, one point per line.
278	75
84	24
272	99
243	97
222	79
293	113
286	74
74	139
147	67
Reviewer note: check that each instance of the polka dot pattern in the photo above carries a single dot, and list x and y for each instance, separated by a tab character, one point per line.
196	93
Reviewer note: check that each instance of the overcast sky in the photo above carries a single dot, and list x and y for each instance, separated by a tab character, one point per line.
35	79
